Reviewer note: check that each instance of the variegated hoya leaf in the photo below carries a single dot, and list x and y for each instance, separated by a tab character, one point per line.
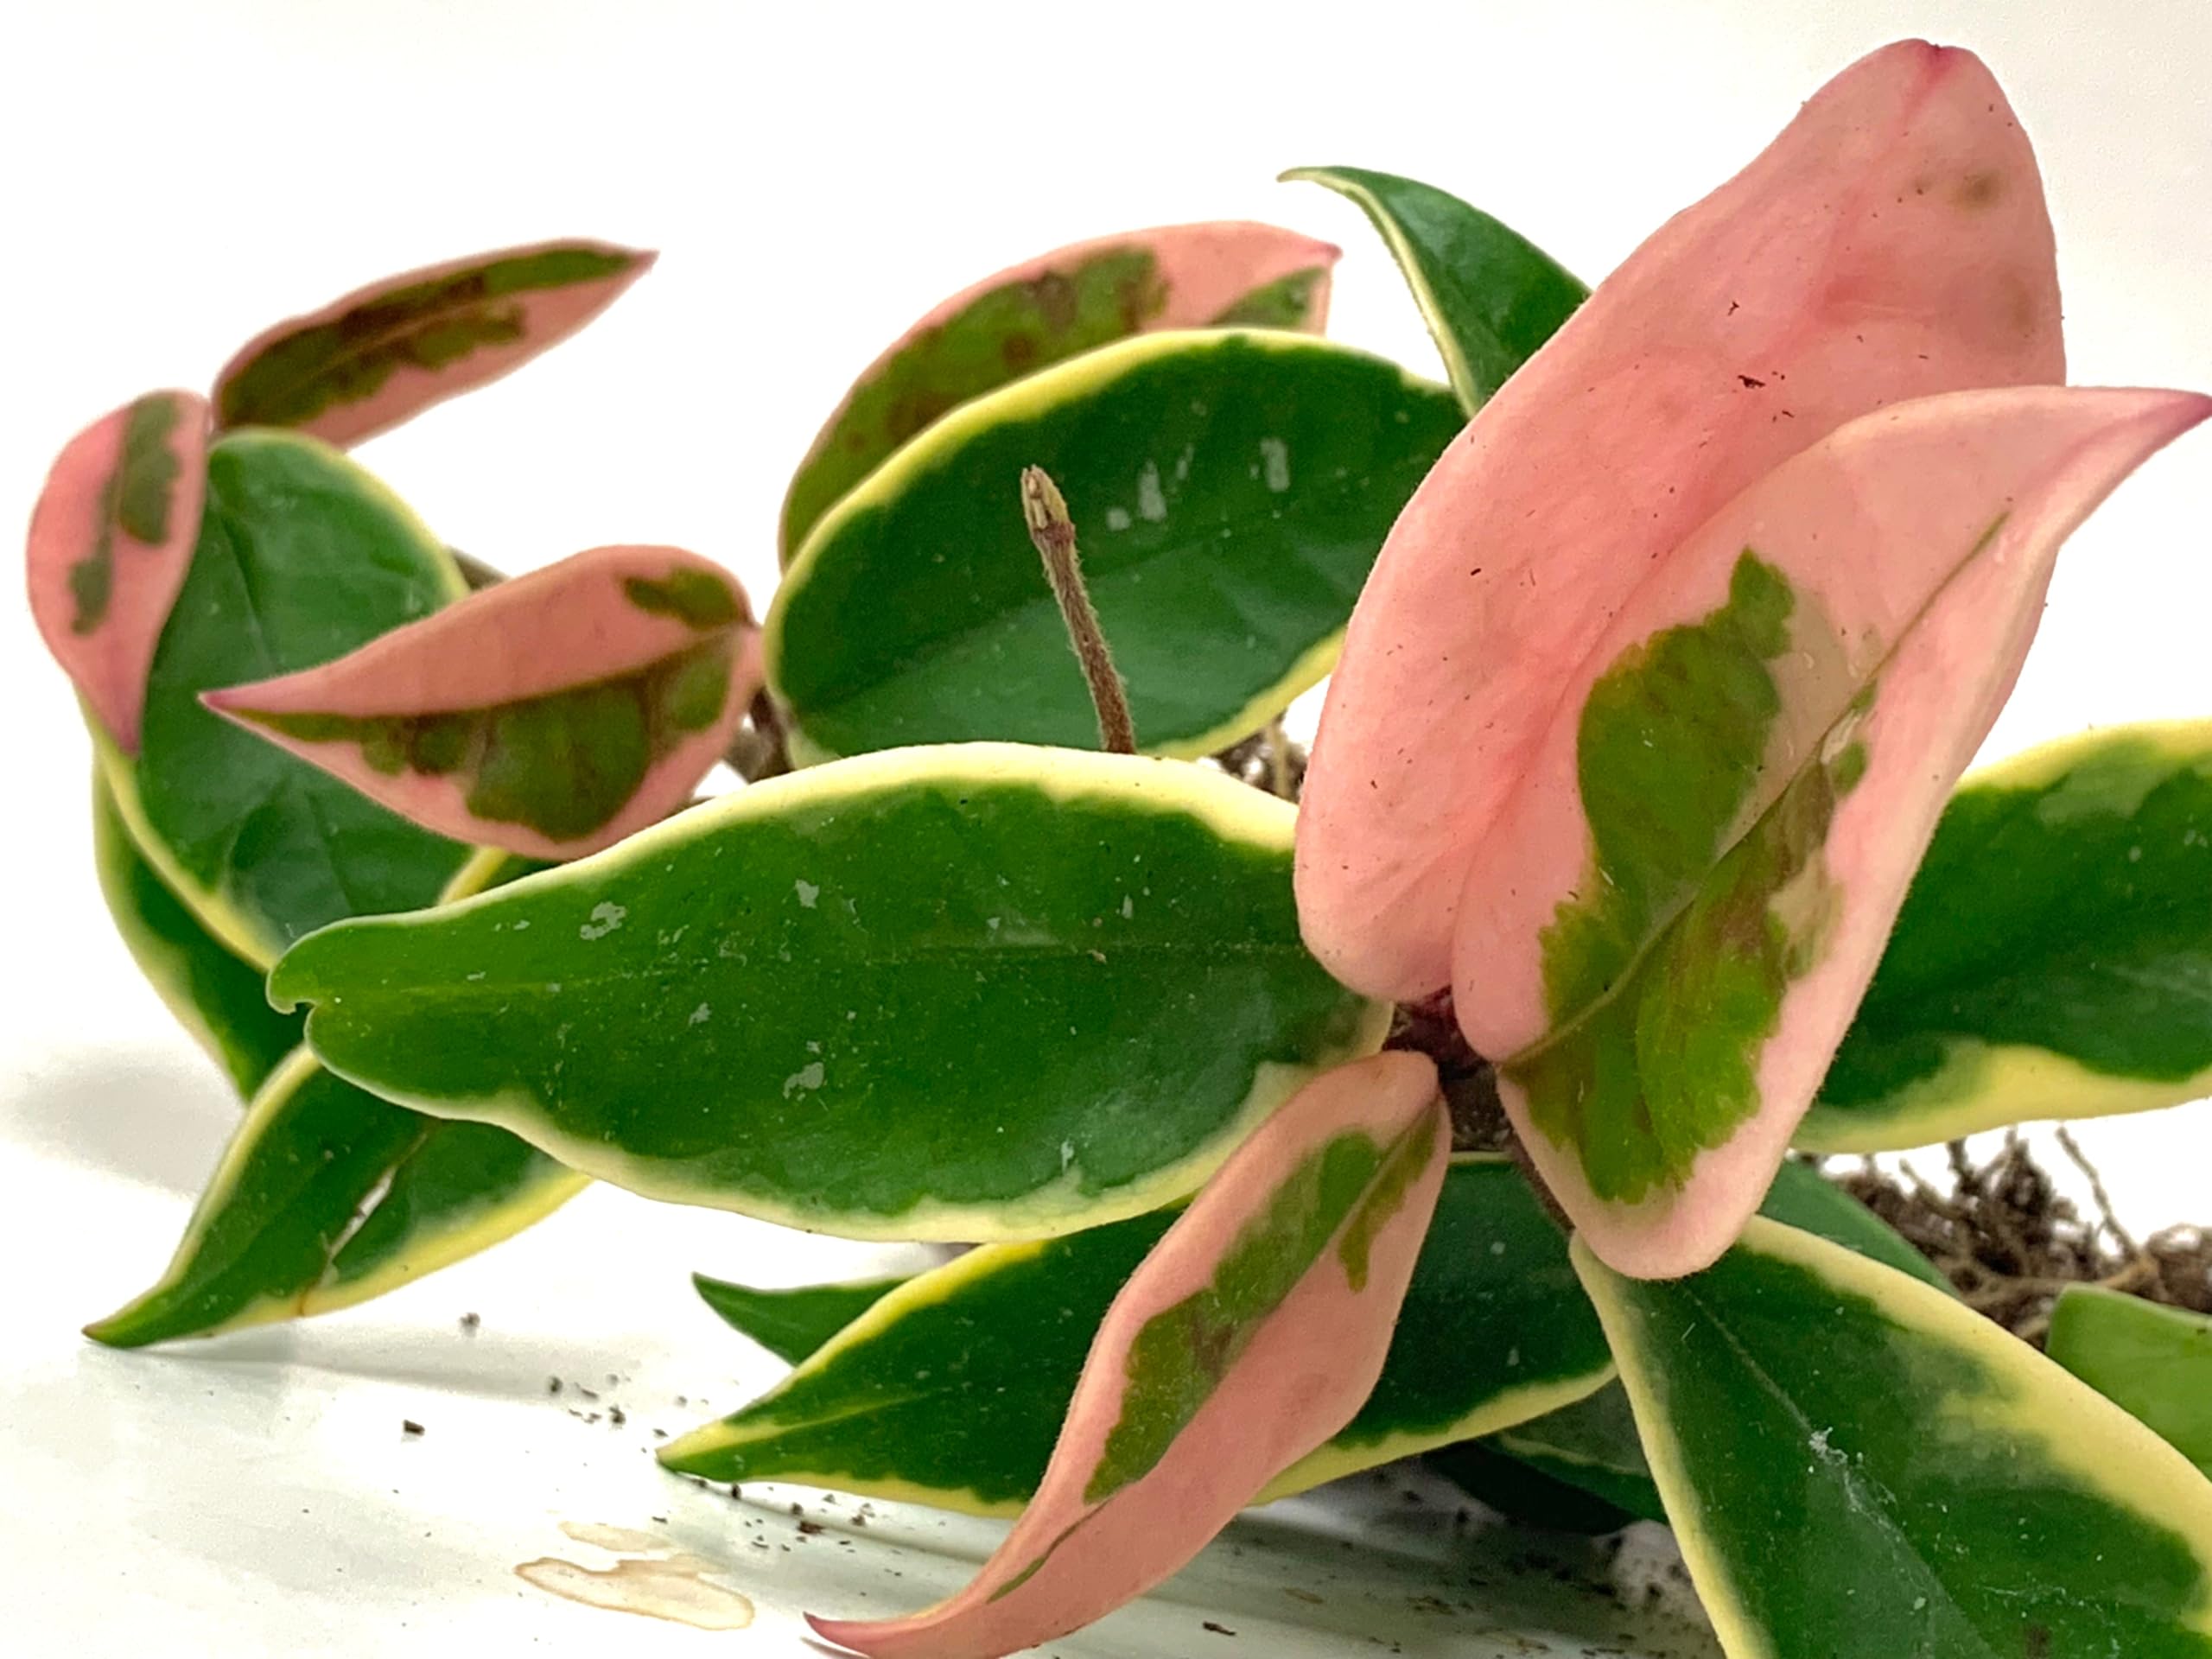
1044	311
1663	941
1229	489
2153	1362
551	715
961	993
2051	954
1857	1467
1252	1332
1490	297
1891	243
110	537
384	353
951	1391
216	995
302	556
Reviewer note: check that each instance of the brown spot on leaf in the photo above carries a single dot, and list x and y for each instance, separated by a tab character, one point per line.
1978	189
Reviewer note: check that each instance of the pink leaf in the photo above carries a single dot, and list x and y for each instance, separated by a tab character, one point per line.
1673	919
1891	244
1253	1332
385	353
551	716
1044	310
110	539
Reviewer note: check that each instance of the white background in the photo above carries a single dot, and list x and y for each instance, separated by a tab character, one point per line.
174	177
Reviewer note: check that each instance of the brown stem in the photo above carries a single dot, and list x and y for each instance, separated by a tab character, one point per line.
760	750
1279	761
478	575
1046	511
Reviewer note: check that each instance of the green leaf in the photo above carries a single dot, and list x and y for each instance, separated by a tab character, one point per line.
792	1323
1858	1466
327	1197
957	992
952	1389
2054	956
2154	1363
1044	311
302	556
1489	296
1802	1198
1230	491
215	996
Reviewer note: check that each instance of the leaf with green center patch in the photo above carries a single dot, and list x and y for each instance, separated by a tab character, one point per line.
2153	1362
1489	296
1891	244
1044	311
958	993
1231	490
384	353
1248	1336
552	715
792	1323
302	557
2053	954
952	1392
1960	1494
110	539
215	996
327	1197
1665	937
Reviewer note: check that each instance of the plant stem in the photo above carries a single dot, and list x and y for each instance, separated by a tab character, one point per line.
760	750
1046	511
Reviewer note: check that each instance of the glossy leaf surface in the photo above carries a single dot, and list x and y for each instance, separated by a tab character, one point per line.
1891	244
2153	1362
1044	311
1249	1334
551	716
963	993
110	537
1666	939
2052	954
952	1392
327	1197
216	996
1958	1492
384	353
1230	492
302	557
1489	296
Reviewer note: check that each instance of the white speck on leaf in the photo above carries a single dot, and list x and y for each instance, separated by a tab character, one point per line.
1497	1247
807	1078
1274	457
1152	504
808	893
1117	517
700	1014
1129	907
604	918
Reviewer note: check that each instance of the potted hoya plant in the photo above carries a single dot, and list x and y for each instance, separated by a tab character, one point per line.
1457	1089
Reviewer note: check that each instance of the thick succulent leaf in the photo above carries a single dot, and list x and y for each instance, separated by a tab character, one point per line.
327	1197
962	992
952	1391
110	537
216	995
302	557
384	353
1804	1199
1858	1466
551	716
1891	244
2154	1363
1488	295
1665	939
1229	489
1251	1333
1044	311
2052	954
793	1322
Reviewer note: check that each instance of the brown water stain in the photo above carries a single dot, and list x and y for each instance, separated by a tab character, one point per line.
656	1582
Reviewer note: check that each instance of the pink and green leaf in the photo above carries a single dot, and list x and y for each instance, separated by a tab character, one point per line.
1891	244
1229	274
1665	937
1253	1332
384	353
551	716
110	539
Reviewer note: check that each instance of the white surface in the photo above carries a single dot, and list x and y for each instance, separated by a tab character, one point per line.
176	176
